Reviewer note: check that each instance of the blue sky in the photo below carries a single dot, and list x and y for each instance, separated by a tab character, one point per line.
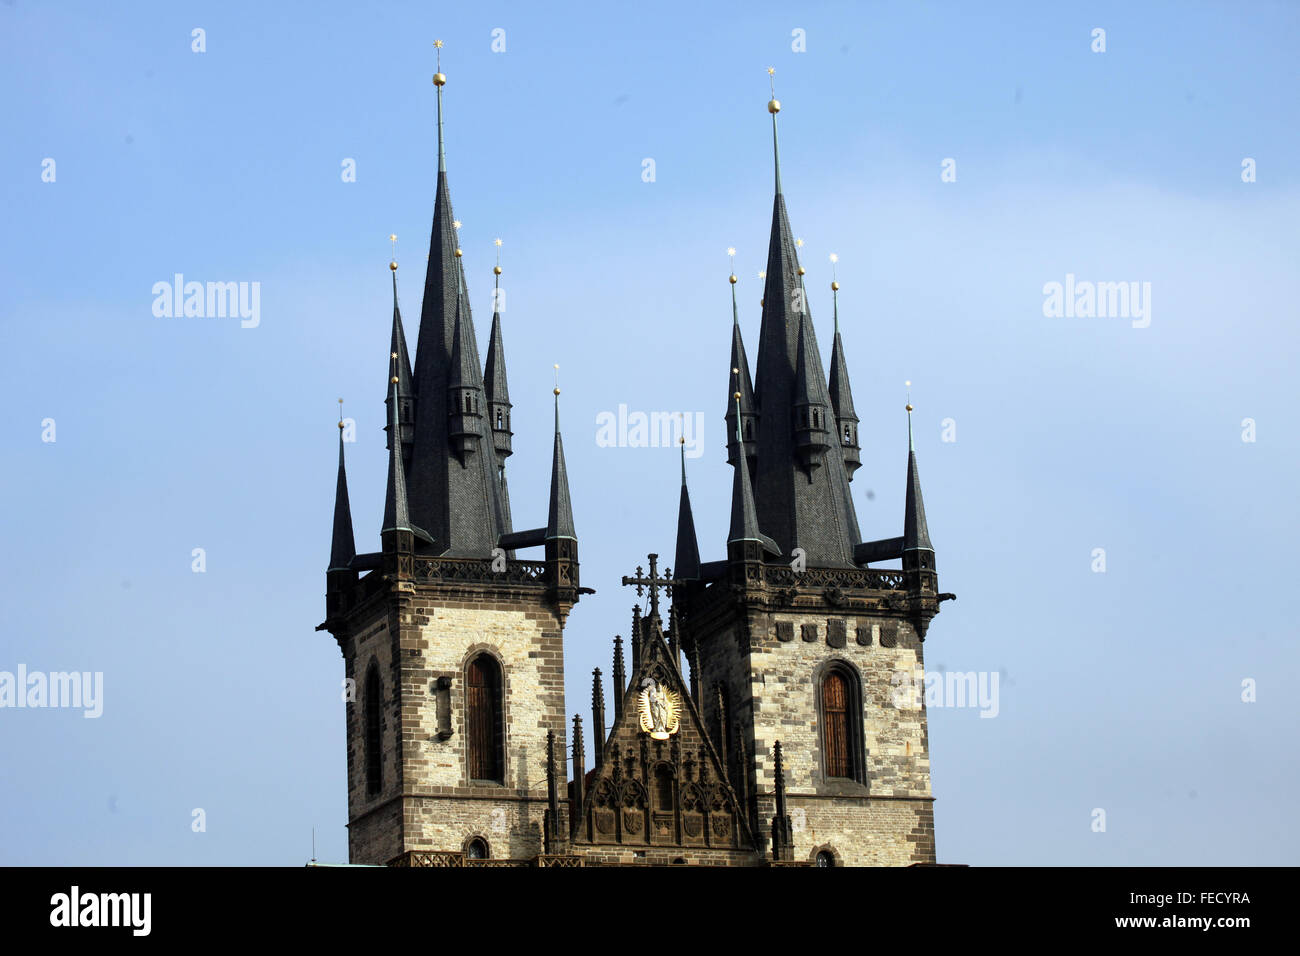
1119	690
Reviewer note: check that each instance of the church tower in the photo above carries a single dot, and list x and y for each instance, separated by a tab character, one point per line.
452	646
806	660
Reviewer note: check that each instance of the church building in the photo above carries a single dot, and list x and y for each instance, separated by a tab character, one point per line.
757	721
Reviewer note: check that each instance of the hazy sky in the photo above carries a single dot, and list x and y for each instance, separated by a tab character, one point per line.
1120	690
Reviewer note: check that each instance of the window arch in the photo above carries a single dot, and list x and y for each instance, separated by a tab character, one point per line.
476	848
484	719
373	732
840	706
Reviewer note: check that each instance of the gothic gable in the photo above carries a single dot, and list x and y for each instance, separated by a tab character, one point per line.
659	780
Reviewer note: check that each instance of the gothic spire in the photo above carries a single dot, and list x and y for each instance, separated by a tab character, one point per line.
454	491
740	438
396	513
405	388
916	535
686	562
801	487
846	419
497	392
744	518
559	519
343	547
494	373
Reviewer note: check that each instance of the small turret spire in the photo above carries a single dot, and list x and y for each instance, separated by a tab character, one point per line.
396	513
744	518
846	419
343	546
687	558
741	419
405	389
916	533
559	522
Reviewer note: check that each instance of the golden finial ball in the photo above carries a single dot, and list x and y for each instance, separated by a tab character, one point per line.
835	287
458	253
761	303
496	270
393	380
440	79
774	106
909	408
732	278
557	390
800	270
393	265
736	396
340	424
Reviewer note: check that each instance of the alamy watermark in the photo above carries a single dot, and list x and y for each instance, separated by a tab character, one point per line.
210	300
1100	300
79	689
626	429
946	689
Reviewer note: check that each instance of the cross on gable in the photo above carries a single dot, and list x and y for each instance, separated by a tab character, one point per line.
653	582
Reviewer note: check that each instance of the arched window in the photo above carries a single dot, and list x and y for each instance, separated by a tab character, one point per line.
373	734
483	680
825	858
476	849
848	434
663	788
841	713
500	420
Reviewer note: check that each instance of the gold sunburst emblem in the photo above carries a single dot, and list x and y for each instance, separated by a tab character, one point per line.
660	709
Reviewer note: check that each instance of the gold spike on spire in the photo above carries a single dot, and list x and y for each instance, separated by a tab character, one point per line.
496	269
731	253
392	237
340	413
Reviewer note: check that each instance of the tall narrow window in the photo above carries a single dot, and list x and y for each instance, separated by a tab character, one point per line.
663	788
483	680
373	735
835	715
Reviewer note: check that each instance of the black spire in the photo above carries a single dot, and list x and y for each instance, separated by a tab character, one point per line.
454	491
620	677
396	513
801	489
598	714
405	388
498	393
686	562
559	520
916	535
744	518
743	437
811	408
846	419
465	398
343	546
